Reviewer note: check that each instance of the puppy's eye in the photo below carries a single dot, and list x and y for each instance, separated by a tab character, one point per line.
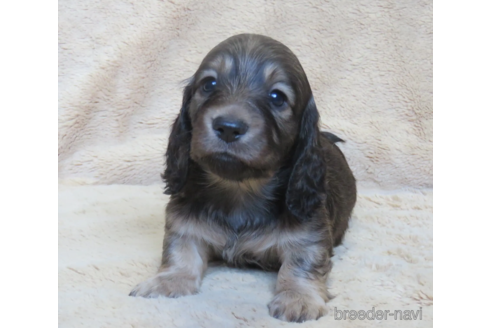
209	85
277	98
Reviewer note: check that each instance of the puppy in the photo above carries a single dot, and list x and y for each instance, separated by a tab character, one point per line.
253	181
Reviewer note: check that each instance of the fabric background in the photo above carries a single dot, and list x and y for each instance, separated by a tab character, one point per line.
121	64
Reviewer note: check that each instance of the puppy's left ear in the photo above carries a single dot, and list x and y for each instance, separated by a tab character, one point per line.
306	188
178	149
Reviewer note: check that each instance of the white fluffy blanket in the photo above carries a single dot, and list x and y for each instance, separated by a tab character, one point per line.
110	239
121	62
369	63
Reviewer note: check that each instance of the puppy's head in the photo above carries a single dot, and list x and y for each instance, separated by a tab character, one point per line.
246	111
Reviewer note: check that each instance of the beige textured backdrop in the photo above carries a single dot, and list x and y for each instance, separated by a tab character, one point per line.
121	63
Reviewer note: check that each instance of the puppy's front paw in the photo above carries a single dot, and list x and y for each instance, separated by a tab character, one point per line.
296	307
167	284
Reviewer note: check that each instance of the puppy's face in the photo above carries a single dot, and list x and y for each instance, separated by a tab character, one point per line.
245	106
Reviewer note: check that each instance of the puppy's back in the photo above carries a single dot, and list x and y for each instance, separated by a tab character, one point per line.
341	191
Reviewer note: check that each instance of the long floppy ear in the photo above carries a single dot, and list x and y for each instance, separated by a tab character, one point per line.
306	187
178	148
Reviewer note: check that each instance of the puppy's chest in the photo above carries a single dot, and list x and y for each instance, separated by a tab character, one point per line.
252	241
245	229
251	249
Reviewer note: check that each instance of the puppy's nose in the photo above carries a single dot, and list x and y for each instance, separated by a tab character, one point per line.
229	130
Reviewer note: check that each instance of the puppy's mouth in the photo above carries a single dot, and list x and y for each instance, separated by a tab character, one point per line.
230	167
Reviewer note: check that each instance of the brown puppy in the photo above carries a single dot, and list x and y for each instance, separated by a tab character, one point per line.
252	179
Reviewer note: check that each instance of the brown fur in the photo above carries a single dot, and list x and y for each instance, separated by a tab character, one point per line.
279	197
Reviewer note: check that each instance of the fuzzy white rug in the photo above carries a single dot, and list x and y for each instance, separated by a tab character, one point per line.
369	64
110	239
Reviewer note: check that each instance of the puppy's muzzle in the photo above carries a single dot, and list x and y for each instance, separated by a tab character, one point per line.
228	129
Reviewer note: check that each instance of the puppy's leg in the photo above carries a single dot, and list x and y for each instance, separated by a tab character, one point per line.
301	286
184	260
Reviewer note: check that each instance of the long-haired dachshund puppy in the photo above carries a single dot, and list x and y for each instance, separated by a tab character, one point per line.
253	181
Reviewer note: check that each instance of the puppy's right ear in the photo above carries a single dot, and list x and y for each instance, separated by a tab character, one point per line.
178	149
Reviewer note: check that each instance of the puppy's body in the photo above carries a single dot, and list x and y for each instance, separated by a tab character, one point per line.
246	222
252	179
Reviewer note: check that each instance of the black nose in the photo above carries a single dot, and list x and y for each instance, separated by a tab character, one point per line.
229	130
